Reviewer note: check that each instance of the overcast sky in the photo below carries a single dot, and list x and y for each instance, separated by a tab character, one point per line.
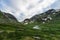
23	9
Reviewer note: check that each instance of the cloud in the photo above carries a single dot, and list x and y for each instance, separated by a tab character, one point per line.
23	5
27	8
8	9
57	6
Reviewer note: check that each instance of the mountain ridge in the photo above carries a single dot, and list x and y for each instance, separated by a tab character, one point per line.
7	17
48	15
34	30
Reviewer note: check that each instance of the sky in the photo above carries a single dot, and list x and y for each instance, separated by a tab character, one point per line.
23	9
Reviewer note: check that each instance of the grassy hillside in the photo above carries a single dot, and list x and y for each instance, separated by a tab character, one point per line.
18	31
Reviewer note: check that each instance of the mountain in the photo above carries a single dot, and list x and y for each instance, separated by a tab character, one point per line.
45	26
8	26
7	17
46	16
34	29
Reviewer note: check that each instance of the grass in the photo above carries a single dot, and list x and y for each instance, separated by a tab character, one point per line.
17	31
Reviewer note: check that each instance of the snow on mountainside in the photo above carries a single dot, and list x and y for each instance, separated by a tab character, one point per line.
44	17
